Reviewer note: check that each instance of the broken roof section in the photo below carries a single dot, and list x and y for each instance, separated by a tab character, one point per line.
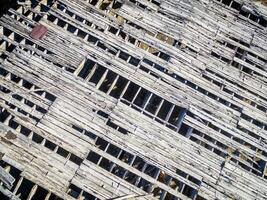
150	99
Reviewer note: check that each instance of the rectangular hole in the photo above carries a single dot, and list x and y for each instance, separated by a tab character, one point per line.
37	138
92	39
3	72
188	191
118	87
29	103
80	19
134	61
174	118
163	177
154	74
62	152
144	185
3	115
131	40
18	38
126	157
101	144
155	2
160	68
103	114
77	128
194	180
17	97
75	159
88	65
123	55
113	150
151	170
68	12
39	194
71	28
123	130
258	123
97	74
101	45
54	197
6	31
113	50
142	98
81	34
142	6
158	192
215	54
225	60
184	129
226	134
41	110
262	108
61	23
93	157
153	104
148	62
26	84
253	17
175	184
13	172
111	124
131	178
247	70
105	164
181	173
113	30
131	91
226	2
164	110
90	135
50	145
88	196
23	112
74	191
122	34
93	2
4	90
14	78
235	5
25	188
244	13
88	23
50	97
51	18
138	163
25	131
164	56
106	84
144	69
263	22
118	171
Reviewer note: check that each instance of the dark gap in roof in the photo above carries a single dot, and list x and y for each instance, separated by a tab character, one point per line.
5	5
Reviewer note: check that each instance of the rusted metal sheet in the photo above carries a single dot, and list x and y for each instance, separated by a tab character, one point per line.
38	32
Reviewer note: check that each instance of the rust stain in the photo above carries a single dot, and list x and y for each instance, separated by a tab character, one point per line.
1	155
10	135
6	141
38	32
